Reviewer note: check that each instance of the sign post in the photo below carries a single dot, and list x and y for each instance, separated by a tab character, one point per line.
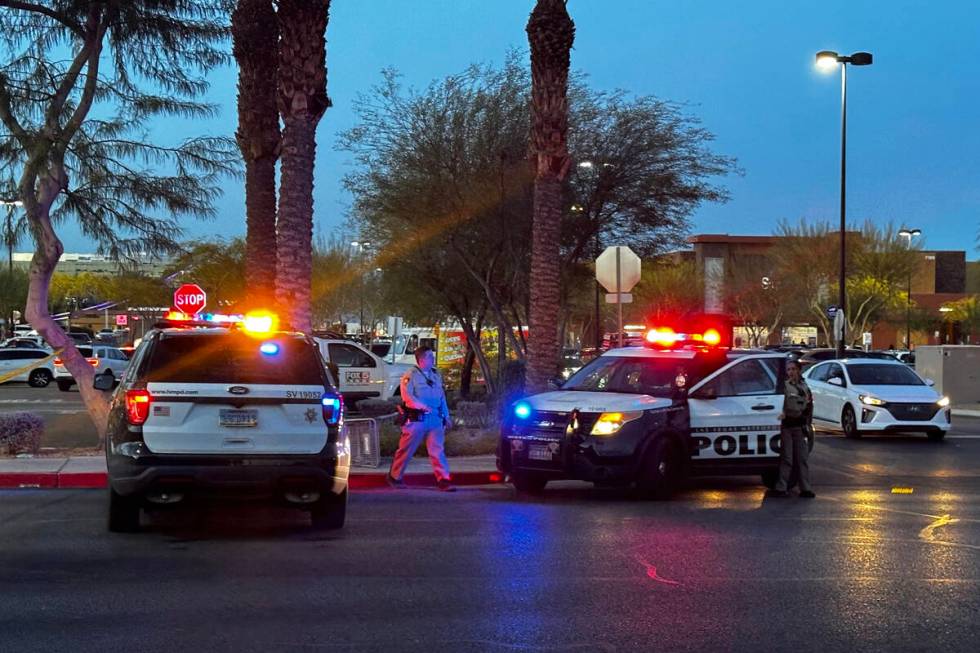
190	298
618	270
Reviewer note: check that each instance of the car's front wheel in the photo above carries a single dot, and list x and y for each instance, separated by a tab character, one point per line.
124	513
39	378
528	482
330	511
848	423
660	474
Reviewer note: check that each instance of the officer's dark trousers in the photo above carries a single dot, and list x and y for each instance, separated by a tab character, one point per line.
793	451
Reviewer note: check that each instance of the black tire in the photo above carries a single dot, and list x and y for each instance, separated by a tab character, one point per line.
39	378
329	512
936	436
661	472
770	477
528	482
124	513
848	423
65	386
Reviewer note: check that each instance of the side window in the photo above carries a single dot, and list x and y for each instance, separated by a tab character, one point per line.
350	356
820	372
100	353
115	354
745	378
36	354
6	355
834	371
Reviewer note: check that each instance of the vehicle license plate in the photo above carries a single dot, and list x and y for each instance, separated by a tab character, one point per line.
236	417
358	378
539	452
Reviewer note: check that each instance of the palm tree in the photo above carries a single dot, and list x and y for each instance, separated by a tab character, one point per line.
256	49
550	32
302	102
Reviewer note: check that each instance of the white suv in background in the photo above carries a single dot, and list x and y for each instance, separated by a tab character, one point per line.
17	358
105	360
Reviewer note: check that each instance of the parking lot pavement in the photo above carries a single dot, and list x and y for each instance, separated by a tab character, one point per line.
887	558
66	423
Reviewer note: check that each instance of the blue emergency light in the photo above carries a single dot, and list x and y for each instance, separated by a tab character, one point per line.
269	348
522	410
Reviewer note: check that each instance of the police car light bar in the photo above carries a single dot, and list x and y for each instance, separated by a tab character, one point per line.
667	337
254	323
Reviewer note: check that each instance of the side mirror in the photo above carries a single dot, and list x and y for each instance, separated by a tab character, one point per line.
839	382
104	382
556	382
930	382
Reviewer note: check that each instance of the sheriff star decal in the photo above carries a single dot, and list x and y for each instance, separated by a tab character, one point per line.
310	415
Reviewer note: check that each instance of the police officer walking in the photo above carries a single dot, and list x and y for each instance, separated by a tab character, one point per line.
796	416
428	419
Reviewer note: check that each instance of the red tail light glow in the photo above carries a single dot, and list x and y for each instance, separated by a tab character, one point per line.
137	406
58	361
94	362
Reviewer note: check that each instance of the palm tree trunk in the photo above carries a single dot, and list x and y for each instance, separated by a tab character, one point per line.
302	102
551	33
256	49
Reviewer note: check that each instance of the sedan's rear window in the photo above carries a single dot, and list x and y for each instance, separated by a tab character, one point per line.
233	358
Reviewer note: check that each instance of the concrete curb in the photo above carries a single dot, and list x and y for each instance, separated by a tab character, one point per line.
962	412
358	481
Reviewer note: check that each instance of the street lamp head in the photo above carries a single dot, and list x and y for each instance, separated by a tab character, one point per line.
860	59
355	243
909	233
827	59
585	165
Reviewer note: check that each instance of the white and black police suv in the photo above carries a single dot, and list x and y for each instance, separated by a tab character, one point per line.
226	407
682	405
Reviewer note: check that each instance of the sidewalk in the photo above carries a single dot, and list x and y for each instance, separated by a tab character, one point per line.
82	472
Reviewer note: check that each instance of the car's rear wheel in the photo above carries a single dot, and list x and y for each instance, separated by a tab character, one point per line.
330	511
64	386
39	378
528	482
124	513
937	435
660	474
848	422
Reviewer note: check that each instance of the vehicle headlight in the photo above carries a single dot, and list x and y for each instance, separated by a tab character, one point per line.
943	402
611	423
871	401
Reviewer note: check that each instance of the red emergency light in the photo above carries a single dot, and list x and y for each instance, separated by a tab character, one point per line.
667	338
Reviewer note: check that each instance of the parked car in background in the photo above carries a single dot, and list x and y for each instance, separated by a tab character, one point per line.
105	360
813	356
80	337
25	342
17	358
361	373
864	395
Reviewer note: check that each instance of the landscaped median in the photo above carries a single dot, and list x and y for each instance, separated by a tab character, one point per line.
85	472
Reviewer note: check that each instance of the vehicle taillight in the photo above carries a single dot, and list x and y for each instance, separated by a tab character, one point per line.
333	409
57	361
94	362
137	406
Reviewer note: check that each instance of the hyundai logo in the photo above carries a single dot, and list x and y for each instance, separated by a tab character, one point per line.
238	390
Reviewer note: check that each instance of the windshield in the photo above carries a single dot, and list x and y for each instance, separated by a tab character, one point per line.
883	375
646	376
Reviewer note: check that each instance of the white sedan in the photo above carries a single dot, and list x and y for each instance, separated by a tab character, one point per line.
862	395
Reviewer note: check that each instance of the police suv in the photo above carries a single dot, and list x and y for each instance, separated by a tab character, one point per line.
651	415
232	407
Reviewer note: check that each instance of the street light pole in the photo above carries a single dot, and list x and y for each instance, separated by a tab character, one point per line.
828	59
909	234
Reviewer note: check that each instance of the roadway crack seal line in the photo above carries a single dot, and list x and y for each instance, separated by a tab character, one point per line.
36	363
652	572
927	532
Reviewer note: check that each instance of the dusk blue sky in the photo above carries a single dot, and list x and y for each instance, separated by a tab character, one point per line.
745	68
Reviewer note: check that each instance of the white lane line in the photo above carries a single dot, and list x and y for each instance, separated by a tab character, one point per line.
32	401
46	411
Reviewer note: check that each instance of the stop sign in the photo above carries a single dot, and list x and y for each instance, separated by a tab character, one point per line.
190	298
628	274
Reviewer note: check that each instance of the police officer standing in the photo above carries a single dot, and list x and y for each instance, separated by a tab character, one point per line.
794	452
428	419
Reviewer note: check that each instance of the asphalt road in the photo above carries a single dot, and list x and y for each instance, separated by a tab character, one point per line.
867	566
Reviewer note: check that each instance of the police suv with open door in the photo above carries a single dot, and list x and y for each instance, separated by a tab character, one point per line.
228	408
682	405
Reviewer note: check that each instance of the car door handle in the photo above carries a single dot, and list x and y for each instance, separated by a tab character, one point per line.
763	407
